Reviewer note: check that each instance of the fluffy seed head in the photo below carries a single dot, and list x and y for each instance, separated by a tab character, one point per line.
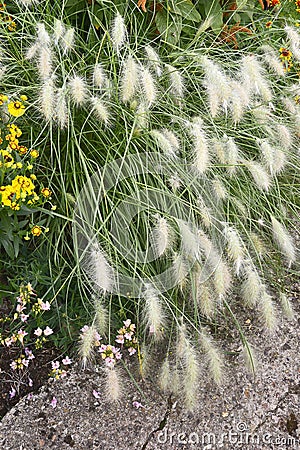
176	81
205	298
113	385
148	86
272	61
217	86
45	63
251	287
259	175
287	306
164	142
235	247
161	237
214	358
180	270
100	110
42	35
142	117
99	77
99	271
67	40
78	90
118	33
252	74
153	60
32	51
232	156
239	100
268	310
283	240
47	97
59	30
130	79
284	136
101	316
62	113
200	144
165	376
86	345
219	189
153	312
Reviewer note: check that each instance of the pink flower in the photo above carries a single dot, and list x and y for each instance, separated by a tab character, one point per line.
20	308
128	336
127	323
55	365
13	365
30	396
118	355
21	334
109	362
29	354
53	402
84	329
102	348
120	339
45	306
38	332
131	351
137	405
48	331
66	361
12	393
24	317
96	394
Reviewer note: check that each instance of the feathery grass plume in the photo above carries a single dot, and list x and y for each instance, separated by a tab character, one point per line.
262	114
189	357
161	237
205	213
153	59
118	33
287	306
284	136
297	124
99	76
249	358
142	117
99	270
235	247
43	35
251	286
32	51
176	81
78	90
68	40
148	86
154	316
100	110
289	105
259	174
189	239
267	153
283	240
205	298
175	384
47	99
173	139
2	71
130	79
113	385
59	30
232	156
27	2
280	161
200	143
219	147
252	75
164	142
267	309
61	110
272	60
45	62
86	344
294	41
219	189
239	100
175	182
214	358
257	244
164	379
217	86
101	316
180	270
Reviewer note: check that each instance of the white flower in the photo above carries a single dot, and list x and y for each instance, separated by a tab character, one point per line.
38	332
48	331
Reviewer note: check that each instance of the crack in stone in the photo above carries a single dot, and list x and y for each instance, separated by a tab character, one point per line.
293	389
162	423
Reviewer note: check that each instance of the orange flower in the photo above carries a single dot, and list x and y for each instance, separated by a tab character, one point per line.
269	24
142	4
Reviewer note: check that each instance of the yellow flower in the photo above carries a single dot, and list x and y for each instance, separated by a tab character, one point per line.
19	165
36	230
285	54
54	207
7	158
46	192
14	130
3	98
32	176
47	230
12	26
34	153
26	238
30	167
22	149
16	109
23	97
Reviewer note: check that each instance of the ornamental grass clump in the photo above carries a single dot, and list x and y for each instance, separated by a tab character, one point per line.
182	173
